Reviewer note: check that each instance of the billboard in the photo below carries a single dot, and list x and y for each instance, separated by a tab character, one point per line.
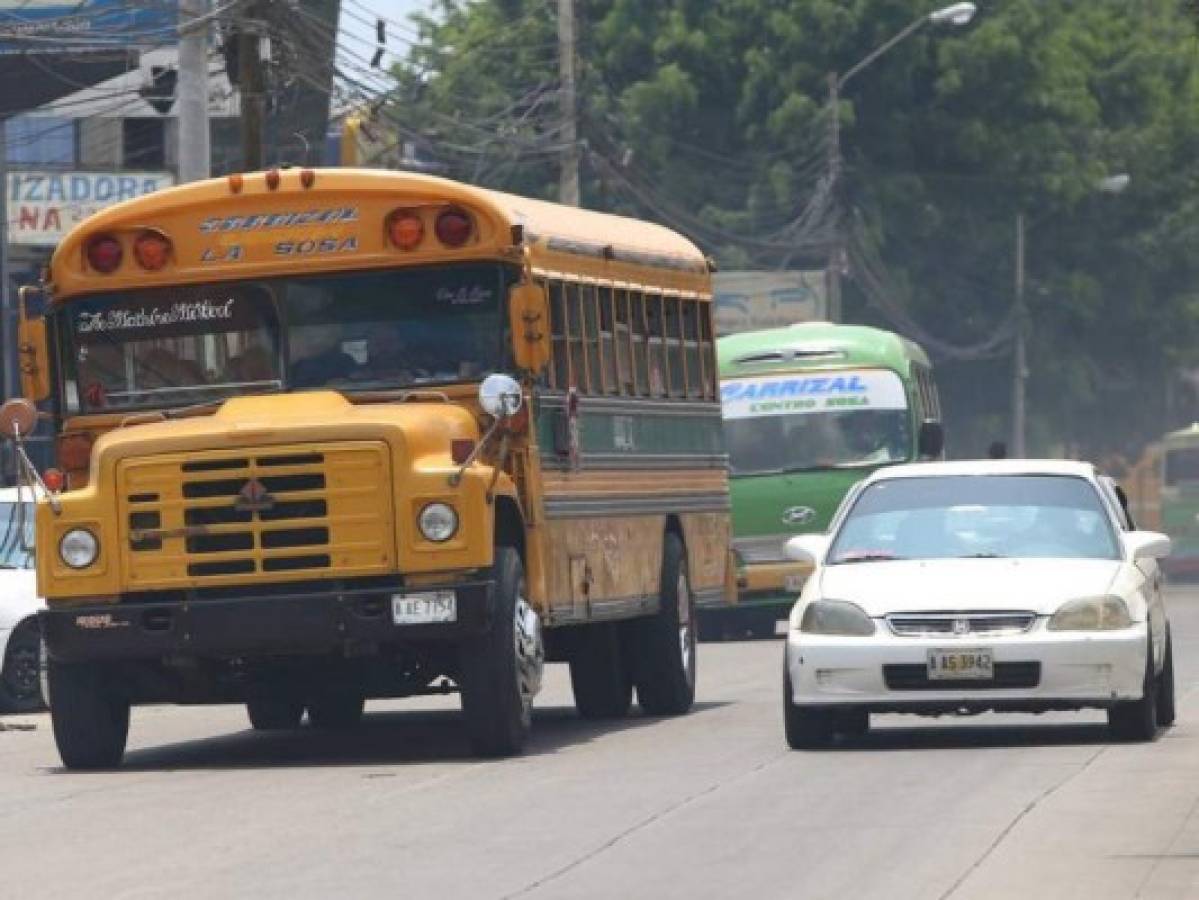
749	300
62	26
44	206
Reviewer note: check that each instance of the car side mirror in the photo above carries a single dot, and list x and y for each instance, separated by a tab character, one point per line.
931	443
1148	544
528	320
807	548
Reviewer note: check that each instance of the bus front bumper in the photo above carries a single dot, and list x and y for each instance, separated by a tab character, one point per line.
301	620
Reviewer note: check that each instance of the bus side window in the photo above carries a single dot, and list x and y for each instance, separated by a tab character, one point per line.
672	331
655	350
691	349
560	368
708	350
611	384
639	327
591	339
576	338
624	342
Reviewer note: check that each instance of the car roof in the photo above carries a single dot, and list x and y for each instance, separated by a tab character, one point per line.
12	494
1061	467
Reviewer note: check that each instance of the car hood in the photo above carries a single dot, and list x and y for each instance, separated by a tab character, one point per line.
930	585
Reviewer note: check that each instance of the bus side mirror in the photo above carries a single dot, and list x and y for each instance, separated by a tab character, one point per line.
932	440
33	352
528	321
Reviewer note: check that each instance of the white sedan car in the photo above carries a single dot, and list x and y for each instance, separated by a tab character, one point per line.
20	637
956	588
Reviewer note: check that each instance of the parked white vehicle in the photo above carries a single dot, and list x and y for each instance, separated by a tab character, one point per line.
963	587
20	637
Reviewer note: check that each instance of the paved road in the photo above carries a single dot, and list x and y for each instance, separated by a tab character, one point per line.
710	805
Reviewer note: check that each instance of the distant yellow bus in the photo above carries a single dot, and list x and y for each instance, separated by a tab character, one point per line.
329	435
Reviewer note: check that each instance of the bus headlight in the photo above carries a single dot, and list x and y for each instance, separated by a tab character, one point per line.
438	522
78	548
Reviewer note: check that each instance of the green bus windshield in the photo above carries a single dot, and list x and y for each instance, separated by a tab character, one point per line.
793	422
1182	465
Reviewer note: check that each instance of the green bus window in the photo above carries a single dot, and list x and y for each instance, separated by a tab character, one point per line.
560	369
640	328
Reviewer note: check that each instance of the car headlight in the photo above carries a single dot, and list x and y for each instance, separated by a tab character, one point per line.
835	617
1092	614
78	548
438	522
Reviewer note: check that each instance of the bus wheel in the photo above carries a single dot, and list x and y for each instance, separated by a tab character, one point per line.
663	645
500	671
90	719
598	674
274	713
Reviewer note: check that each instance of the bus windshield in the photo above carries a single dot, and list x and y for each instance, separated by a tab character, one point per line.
352	331
1182	465
816	420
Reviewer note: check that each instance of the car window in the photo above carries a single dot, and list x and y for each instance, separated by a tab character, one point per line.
16	547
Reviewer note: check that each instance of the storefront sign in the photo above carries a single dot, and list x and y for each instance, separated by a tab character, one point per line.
44	206
751	301
77	26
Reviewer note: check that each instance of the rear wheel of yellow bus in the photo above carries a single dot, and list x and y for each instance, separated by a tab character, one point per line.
662	647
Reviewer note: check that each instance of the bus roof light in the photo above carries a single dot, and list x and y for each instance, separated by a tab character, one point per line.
53	480
454	227
406	229
104	254
235	183
152	250
307	177
272	179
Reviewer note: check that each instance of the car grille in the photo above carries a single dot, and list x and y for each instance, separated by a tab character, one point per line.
990	624
914	677
274	513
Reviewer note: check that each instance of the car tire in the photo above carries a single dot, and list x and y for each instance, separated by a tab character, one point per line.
599	675
336	711
89	716
805	727
274	713
1165	686
1136	720
20	676
662	646
500	671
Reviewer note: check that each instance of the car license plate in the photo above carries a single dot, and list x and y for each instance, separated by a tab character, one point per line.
977	664
426	608
793	584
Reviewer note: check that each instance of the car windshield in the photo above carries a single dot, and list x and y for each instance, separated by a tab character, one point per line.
358	331
822	420
1182	465
976	516
16	536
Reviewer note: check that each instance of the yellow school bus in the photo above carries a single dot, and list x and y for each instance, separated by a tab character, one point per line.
331	435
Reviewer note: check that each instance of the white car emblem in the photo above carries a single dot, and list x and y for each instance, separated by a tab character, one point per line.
961	626
798	515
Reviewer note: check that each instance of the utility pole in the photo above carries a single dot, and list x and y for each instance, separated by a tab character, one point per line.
195	155
1019	350
8	356
252	83
568	184
836	250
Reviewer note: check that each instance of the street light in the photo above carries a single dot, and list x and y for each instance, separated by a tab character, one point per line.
1112	184
957	15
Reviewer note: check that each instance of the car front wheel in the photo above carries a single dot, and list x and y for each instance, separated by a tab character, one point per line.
1136	720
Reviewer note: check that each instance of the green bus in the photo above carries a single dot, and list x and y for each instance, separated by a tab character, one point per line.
809	410
1180	498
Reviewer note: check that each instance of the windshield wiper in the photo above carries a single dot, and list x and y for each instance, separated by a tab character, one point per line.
982	556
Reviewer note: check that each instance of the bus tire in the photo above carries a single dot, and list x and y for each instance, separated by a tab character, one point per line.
599	676
336	711
274	713
663	645
500	670
90	719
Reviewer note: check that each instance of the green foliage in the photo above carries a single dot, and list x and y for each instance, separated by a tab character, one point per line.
712	116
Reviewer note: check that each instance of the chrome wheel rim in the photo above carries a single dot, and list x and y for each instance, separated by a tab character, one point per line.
22	674
686	629
530	651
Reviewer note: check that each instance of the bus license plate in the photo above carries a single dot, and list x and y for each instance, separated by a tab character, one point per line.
426	608
977	664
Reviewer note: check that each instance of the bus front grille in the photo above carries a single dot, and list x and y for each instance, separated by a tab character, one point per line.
240	516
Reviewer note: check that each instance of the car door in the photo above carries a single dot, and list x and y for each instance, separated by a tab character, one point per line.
1151	588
